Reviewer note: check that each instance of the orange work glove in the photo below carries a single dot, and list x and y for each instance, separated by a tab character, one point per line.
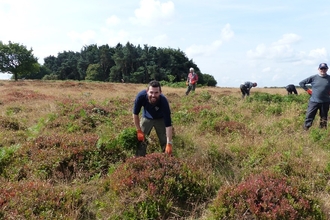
168	149
140	135
309	91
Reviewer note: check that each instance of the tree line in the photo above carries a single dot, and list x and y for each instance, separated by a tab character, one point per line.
122	63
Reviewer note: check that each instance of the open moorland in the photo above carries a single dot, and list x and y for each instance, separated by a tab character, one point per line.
67	147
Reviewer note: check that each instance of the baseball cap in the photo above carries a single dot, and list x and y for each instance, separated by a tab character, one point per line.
323	65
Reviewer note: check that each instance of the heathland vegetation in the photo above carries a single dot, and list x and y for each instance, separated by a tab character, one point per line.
66	152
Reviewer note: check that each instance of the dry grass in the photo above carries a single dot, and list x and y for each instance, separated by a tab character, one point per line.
38	98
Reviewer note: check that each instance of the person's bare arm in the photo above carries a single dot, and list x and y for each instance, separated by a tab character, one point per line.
136	121
169	134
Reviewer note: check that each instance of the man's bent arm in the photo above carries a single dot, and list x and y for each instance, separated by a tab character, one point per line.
136	121
169	134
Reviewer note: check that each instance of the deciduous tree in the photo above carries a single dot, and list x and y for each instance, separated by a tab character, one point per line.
17	59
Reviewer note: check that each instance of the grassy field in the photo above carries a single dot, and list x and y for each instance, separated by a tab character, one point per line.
66	152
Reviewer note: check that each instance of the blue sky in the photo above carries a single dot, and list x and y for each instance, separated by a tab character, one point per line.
273	43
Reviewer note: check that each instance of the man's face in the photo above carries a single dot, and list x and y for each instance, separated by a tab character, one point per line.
323	71
153	94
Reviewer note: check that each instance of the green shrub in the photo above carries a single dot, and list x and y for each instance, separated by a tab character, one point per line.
183	117
6	154
221	161
318	135
158	187
205	95
127	139
70	157
274	110
276	98
10	124
50	77
181	84
38	200
13	110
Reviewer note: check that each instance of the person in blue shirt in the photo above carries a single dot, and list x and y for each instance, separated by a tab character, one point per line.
156	114
246	87
319	96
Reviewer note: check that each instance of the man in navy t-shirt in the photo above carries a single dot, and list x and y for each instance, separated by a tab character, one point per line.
156	114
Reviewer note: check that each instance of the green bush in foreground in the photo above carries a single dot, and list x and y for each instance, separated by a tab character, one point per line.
6	154
156	187
38	200
264	196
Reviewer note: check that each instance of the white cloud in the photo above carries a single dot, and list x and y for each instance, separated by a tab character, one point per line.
203	50
260	51
159	40
209	49
227	33
152	12
85	38
264	70
280	50
276	77
283	50
320	54
113	37
113	21
288	39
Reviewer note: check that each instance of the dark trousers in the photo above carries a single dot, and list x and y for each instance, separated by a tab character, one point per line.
146	127
245	91
191	87
312	109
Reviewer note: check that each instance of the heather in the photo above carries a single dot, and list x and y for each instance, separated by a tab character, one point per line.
67	152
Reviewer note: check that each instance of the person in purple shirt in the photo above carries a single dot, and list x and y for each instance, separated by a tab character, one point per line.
156	114
319	96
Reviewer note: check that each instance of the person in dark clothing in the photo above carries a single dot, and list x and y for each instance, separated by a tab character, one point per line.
156	114
246	87
319	96
291	89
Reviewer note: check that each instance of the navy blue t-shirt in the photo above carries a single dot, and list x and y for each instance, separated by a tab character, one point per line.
157	111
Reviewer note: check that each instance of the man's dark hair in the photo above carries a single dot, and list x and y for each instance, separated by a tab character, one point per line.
155	84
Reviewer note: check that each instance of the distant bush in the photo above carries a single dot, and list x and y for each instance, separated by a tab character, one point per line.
50	77
173	84
264	196
277	98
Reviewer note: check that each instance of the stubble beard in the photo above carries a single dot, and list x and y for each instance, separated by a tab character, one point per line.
153	100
